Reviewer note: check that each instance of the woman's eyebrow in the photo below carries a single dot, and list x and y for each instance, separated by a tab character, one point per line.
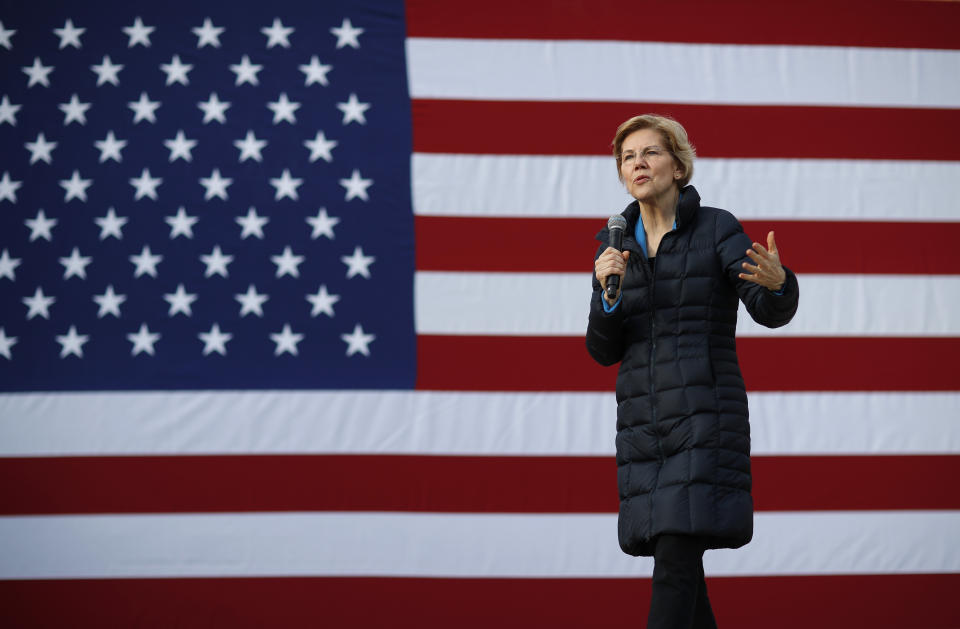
652	146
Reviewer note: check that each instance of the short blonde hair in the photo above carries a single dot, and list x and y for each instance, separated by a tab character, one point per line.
674	135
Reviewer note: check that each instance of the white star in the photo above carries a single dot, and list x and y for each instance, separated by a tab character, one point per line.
347	34
246	72
138	34
110	147
322	224
356	186
109	303
76	264
144	108
215	185
286	341
250	147
251	301
180	147
38	73
287	263
286	186
353	110
107	71
208	34
76	188
213	109
316	72
69	35
180	301
8	111
277	34
322	302
39	304
143	340
252	224
181	224
358	342
216	263
146	185
358	264
283	109
74	111
215	340
5	35
40	226
72	343
111	224
8	265
40	149
146	262
176	71
6	342
320	146
8	188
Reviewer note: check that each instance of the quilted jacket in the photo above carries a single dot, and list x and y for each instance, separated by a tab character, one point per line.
683	435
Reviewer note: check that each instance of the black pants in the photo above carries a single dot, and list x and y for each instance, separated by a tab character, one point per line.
679	599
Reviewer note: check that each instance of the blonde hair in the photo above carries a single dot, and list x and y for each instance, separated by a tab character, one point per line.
674	135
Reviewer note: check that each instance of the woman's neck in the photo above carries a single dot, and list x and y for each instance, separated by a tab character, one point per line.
660	214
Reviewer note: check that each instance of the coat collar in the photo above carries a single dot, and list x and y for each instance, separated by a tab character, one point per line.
689	204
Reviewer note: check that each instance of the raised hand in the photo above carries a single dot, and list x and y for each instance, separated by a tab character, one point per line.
766	270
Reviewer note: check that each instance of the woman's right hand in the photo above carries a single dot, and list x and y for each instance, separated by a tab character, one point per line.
611	262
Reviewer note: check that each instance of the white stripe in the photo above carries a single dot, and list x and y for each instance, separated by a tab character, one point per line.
454	545
557	304
681	73
795	189
423	422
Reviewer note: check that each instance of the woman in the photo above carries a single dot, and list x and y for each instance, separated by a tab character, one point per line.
683	437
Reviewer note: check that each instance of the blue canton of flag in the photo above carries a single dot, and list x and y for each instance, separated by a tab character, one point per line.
196	197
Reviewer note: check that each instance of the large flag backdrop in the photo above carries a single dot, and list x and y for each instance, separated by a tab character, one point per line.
292	301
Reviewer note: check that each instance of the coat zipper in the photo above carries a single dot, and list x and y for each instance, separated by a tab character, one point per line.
653	404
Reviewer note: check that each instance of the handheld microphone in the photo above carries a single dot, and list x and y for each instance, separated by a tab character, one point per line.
616	225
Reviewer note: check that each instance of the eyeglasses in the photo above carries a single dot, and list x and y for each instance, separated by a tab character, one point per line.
651	153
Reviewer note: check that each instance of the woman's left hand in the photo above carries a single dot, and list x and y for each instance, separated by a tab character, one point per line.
766	270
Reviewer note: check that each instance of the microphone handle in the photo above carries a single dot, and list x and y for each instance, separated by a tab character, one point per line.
613	281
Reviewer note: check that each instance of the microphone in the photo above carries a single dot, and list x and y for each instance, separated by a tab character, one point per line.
616	225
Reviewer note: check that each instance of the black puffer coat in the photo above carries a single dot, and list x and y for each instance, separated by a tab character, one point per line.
683	437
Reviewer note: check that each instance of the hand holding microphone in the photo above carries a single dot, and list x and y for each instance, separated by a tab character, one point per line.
611	266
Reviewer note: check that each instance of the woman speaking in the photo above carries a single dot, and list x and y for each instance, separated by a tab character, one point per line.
683	437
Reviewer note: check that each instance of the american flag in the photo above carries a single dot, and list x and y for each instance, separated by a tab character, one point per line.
292	303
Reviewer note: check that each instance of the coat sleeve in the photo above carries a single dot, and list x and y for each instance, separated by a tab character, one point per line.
765	307
604	329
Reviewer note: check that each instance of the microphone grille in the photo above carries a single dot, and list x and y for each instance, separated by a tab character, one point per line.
617	222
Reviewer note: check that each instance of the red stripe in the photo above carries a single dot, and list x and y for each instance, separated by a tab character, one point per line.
817	23
512	363
452	484
446	243
789	602
731	131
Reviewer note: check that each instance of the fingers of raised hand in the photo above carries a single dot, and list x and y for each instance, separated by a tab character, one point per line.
761	255
752	276
771	243
770	276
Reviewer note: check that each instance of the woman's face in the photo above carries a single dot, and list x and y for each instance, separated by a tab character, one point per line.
648	169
